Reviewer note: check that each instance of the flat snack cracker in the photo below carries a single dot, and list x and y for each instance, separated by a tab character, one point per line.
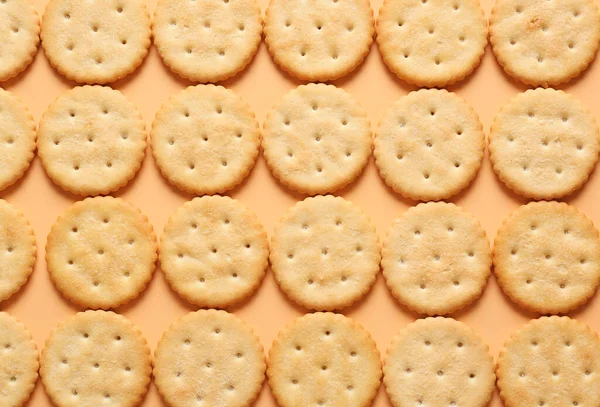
101	252
551	361
18	362
17	138
429	145
432	42
544	144
20	33
547	257
96	358
92	140
214	251
319	40
325	253
205	139
544	43
209	358
207	41
317	139
324	359
96	41
439	362
17	250
436	258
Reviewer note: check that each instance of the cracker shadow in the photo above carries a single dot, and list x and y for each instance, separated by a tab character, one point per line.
13	299
352	75
579	78
127	79
21	75
9	191
124	308
238	77
514	197
510	304
577	193
590	304
252	297
396	196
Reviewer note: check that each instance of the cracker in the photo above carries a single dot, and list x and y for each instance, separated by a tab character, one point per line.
207	41
325	253
429	145
17	138
324	359
214	251
210	358
18	362
92	140
544	43
431	42
97	41
101	252
436	258
20	33
551	361
96	358
547	257
439	362
317	139
320	41
17	250
205	139
544	144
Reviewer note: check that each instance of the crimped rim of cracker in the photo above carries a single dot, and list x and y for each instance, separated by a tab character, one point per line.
525	192
89	303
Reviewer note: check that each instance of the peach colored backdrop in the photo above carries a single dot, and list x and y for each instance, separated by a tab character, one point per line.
40	306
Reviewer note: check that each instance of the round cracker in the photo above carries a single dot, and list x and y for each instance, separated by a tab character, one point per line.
101	252
325	253
92	140
429	145
98	41
324	359
551	361
436	258
96	358
209	357
214	251
17	250
205	139
17	138
544	144
18	362
207	41
431	42
20	33
439	362
547	257
317	139
320	41
544	43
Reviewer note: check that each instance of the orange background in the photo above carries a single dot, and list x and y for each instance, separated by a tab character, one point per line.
40	306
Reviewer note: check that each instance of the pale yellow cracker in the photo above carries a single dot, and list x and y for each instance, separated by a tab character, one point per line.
317	139
436	258
101	252
544	144
96	358
547	257
214	251
544	43
431	42
439	362
209	358
92	140
429	145
20	33
325	253
17	250
17	138
319	40
205	139
95	41
18	362
324	359
551	361
207	40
